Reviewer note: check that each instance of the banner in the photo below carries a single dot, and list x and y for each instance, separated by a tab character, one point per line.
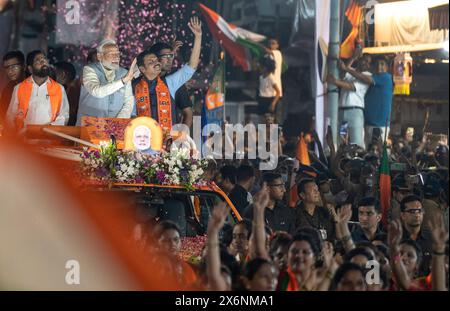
85	22
405	23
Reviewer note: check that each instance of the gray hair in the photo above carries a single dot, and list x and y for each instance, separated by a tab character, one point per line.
103	43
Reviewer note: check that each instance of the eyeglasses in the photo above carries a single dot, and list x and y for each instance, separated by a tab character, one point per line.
13	67
414	211
167	56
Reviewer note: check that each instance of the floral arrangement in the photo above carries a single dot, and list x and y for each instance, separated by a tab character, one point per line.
191	248
168	168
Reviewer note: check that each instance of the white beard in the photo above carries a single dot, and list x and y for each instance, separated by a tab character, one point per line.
109	65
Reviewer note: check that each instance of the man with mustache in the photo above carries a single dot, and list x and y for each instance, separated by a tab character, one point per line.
155	95
106	87
38	99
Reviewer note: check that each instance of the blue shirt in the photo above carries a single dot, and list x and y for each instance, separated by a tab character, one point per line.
174	82
378	101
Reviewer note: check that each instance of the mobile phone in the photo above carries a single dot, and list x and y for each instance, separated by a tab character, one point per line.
343	131
376	133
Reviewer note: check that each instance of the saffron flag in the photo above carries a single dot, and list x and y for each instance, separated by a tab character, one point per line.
301	158
355	16
238	42
385	186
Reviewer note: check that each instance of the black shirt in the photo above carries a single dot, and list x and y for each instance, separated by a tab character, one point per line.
239	197
424	240
358	234
320	220
182	98
280	218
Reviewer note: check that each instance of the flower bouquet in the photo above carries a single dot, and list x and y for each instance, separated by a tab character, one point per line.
175	168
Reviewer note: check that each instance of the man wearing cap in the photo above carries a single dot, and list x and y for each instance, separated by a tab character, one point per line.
106	87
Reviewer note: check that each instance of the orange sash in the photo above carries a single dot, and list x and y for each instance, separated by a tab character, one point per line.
25	88
293	284
143	105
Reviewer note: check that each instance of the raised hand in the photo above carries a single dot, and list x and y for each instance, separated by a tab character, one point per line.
261	199
344	214
218	216
130	74
395	234
438	233
176	45
342	65
327	254
196	26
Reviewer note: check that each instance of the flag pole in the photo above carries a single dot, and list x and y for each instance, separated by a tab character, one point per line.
385	132
222	63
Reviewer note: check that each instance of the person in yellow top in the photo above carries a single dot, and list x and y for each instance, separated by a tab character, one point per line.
38	99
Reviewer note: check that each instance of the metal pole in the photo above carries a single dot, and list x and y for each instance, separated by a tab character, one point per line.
333	56
223	64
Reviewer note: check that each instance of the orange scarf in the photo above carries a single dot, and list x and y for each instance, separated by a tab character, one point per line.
164	109
54	92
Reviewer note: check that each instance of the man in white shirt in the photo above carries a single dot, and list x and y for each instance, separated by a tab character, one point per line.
269	91
38	99
276	55
351	100
106	91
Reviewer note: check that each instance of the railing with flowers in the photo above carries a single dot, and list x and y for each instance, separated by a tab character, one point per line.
110	164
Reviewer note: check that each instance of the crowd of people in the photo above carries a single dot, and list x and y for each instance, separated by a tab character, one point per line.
316	227
336	236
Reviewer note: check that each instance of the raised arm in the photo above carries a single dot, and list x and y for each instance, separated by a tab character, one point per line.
342	84
394	237
216	281
342	217
360	76
439	236
196	27
92	83
260	201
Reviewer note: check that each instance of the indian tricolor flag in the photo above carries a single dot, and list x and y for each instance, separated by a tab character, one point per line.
385	187
238	42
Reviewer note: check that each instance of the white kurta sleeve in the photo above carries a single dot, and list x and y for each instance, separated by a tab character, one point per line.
128	104
92	84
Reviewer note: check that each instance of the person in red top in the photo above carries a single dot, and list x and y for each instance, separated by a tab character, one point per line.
167	237
406	256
